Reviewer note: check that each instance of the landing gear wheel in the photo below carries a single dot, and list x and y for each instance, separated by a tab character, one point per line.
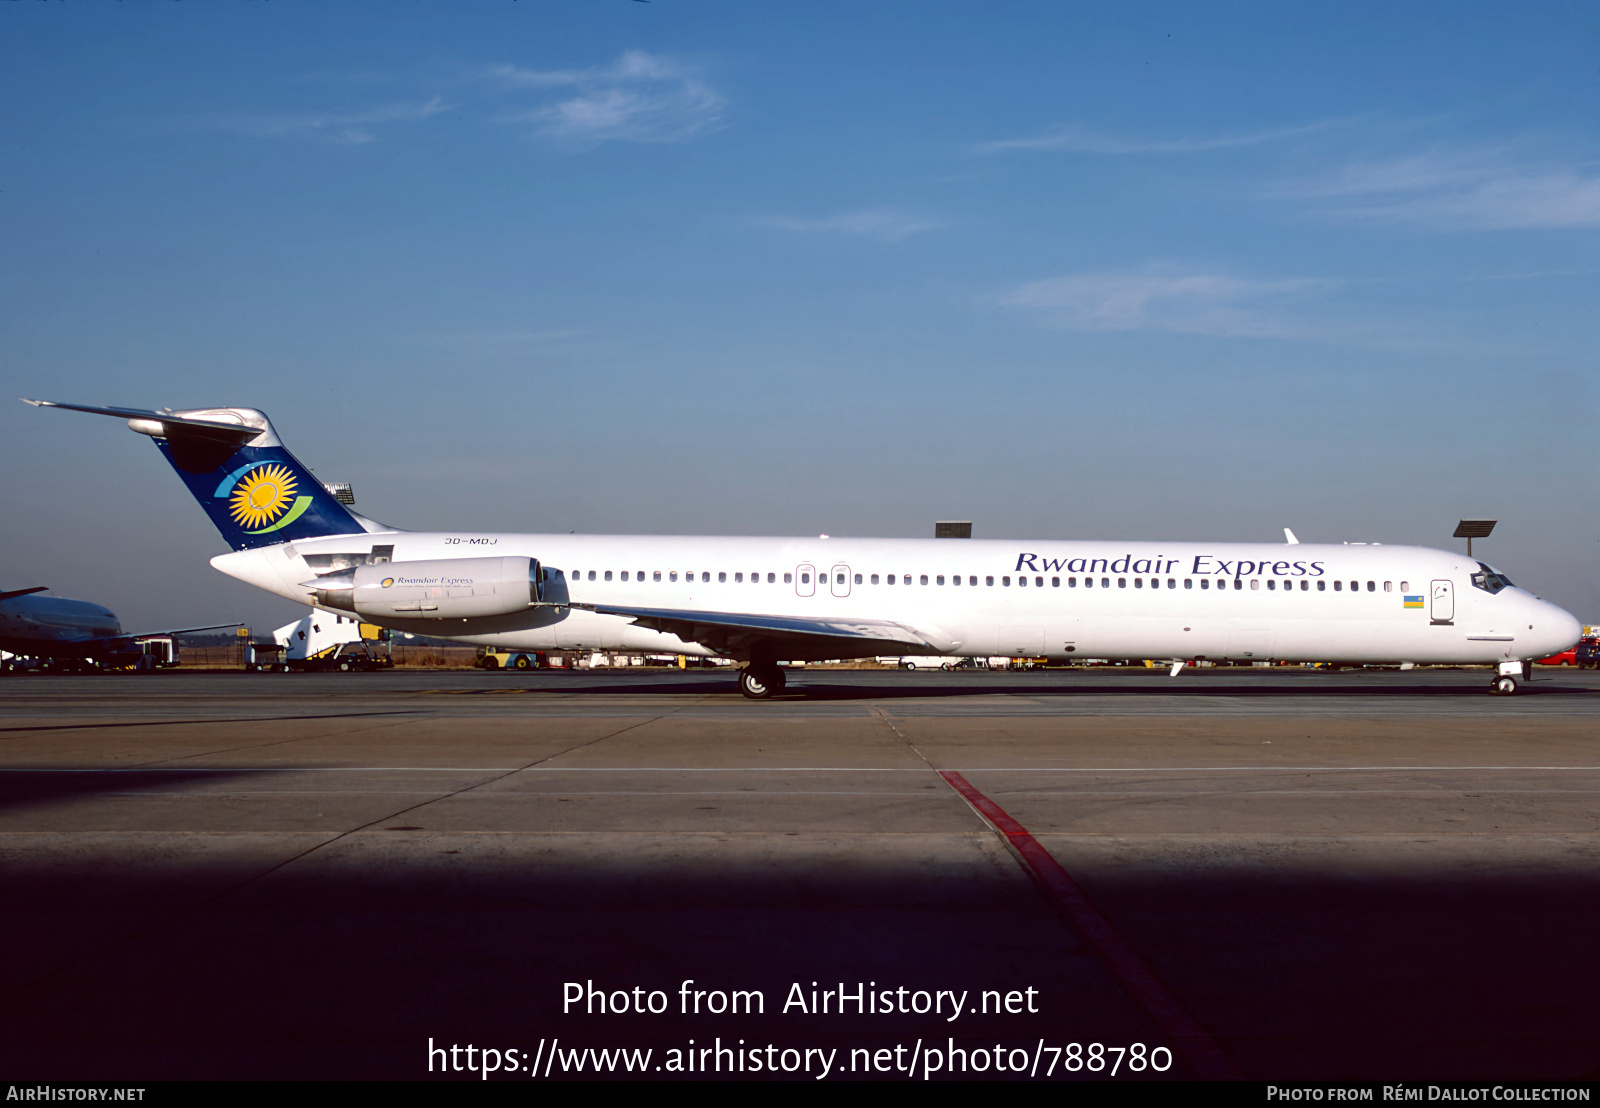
761	682
1503	686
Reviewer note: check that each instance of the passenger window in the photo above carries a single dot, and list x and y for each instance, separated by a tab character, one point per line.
1022	582
1105	582
624	575
1122	582
889	580
722	578
1322	586
1372	586
955	579
1271	585
908	579
1205	582
988	580
1088	582
788	578
656	575
1355	586
1005	581
1072	582
1388	586
608	575
1172	582
1255	583
1188	582
924	578
1338	586
939	580
874	578
1138	582
1038	582
591	575
1405	586
805	578
858	578
972	581
1055	582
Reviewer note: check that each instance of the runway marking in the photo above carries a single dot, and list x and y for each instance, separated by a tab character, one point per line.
176	722
793	769
1205	1057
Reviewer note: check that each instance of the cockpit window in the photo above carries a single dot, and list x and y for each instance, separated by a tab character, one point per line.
1489	580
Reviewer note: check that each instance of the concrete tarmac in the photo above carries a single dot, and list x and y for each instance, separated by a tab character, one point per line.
1364	875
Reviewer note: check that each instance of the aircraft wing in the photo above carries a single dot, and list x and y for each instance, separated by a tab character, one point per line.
784	636
113	644
180	630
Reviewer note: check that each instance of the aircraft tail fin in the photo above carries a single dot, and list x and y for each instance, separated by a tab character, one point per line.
255	491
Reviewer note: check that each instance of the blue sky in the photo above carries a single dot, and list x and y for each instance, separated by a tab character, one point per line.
1155	271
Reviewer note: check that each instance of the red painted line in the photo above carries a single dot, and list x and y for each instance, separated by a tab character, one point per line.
1205	1057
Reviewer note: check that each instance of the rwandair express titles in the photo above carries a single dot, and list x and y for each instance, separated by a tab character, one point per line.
759	600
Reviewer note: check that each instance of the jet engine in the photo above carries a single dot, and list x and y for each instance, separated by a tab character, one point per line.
443	588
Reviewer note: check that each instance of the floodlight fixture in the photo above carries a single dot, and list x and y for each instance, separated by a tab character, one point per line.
1470	529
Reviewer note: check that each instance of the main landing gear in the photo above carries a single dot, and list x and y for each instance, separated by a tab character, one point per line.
759	682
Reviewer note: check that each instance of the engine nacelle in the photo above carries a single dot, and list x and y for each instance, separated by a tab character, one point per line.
443	588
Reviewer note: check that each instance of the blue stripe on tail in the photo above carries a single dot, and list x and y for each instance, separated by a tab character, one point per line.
256	495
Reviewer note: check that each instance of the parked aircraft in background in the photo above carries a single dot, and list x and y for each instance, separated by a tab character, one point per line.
69	630
758	600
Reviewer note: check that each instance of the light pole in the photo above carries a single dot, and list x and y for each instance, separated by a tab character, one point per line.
1470	529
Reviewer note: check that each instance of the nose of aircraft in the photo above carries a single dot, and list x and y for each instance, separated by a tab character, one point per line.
1554	629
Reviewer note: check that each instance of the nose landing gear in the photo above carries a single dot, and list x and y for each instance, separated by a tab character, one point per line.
1505	683
759	682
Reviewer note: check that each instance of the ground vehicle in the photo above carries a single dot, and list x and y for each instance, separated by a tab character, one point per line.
328	641
1587	654
1568	657
930	661
266	657
490	658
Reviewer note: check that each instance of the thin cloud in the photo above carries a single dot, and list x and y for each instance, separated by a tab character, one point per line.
638	98
341	127
1081	140
882	224
1476	190
1190	304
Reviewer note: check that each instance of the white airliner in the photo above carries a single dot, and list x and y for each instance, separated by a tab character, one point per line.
759	600
69	630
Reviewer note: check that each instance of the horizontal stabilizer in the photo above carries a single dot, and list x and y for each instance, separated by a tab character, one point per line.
205	428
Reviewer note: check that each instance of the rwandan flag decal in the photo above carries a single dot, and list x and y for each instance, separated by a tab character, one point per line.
1413	602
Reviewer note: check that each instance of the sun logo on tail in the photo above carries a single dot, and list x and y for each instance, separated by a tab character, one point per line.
262	496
